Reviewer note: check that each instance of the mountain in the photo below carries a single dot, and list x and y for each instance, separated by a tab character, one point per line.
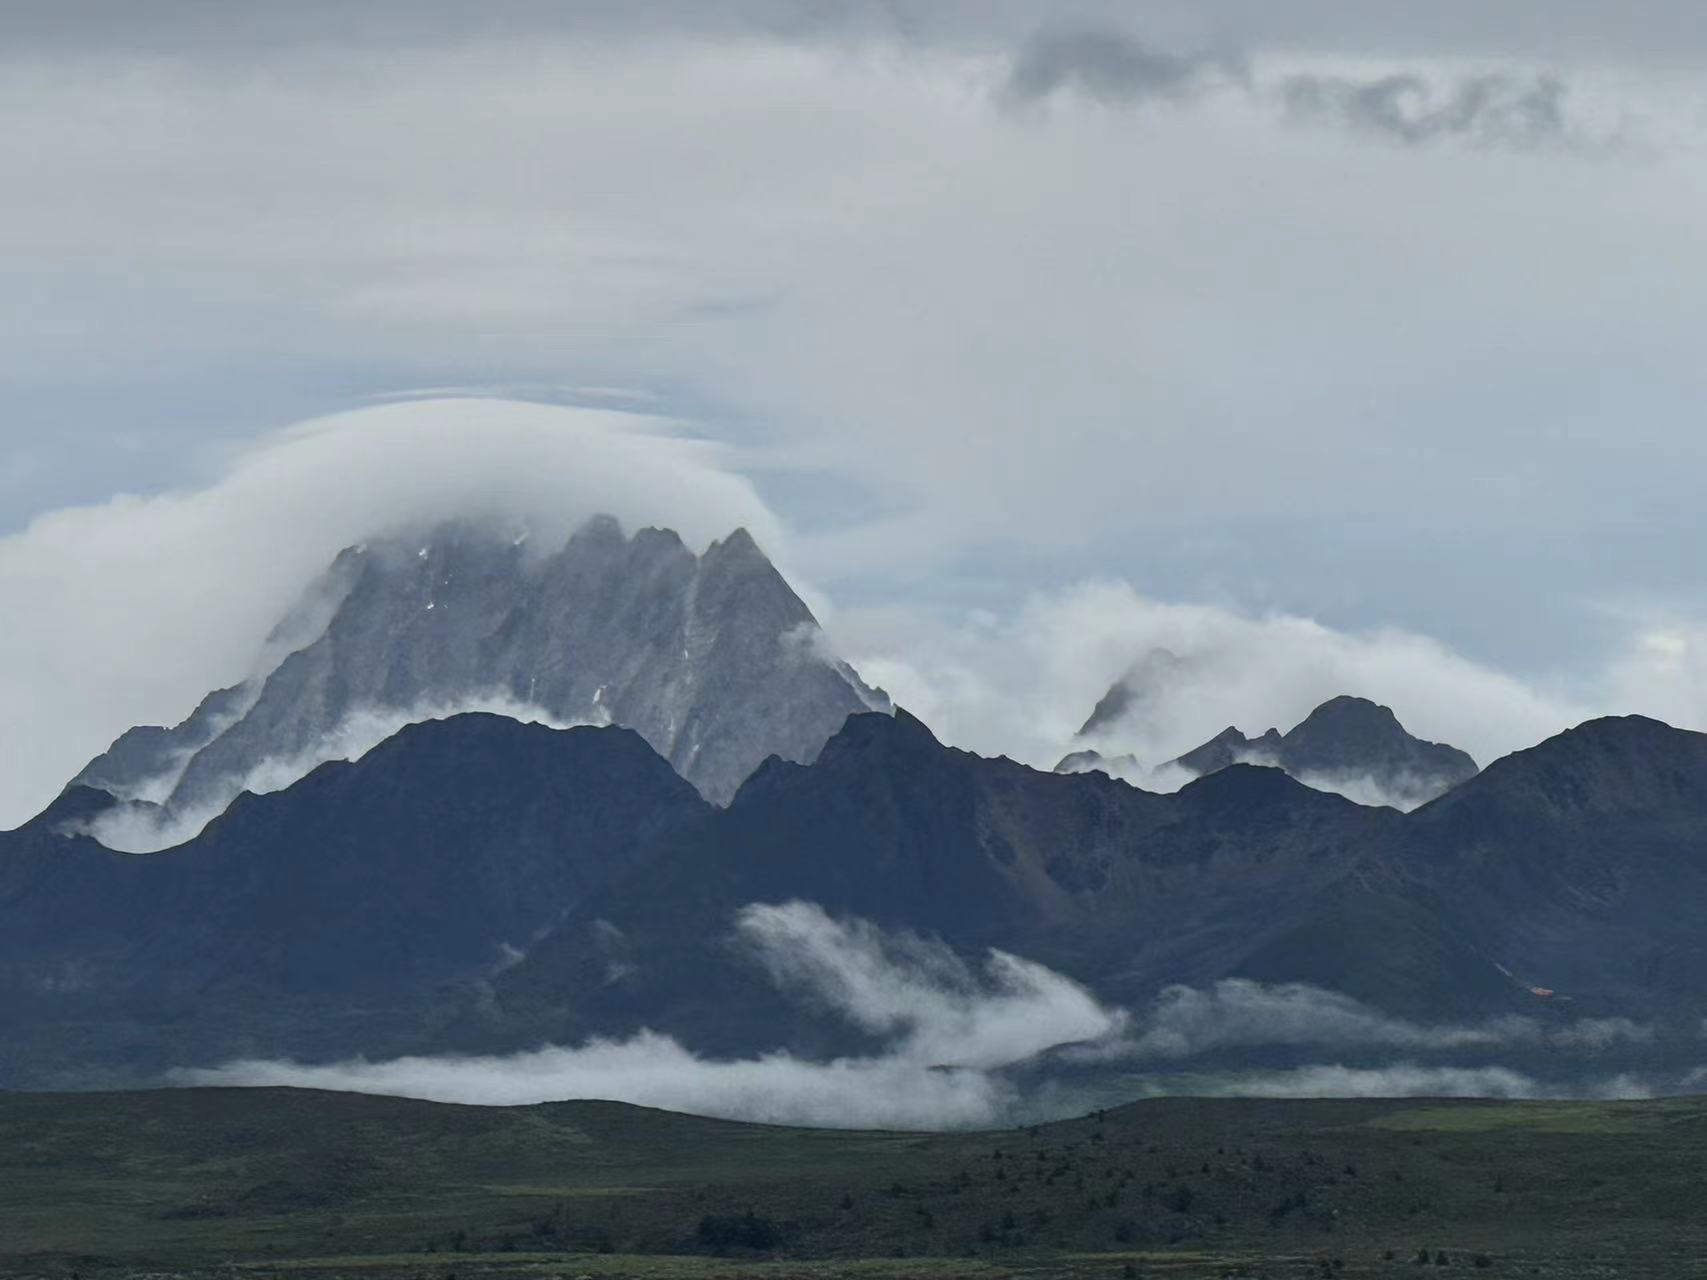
712	659
1231	747
1132	696
481	885
1582	862
1575	869
1347	745
477	883
349	910
1125	766
1119	888
1355	735
1350	745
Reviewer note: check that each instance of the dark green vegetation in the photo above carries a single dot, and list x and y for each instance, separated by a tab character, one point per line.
381	907
285	1182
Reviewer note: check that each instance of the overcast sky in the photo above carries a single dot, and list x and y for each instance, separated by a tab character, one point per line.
1382	319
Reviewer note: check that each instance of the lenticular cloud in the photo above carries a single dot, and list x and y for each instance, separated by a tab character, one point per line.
140	605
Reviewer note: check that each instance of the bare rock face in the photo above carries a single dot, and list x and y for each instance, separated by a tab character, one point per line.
713	659
1347	745
1343	744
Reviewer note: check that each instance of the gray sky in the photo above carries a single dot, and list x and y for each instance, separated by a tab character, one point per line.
1382	316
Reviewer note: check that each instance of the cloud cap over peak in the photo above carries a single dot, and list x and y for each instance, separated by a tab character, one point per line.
139	606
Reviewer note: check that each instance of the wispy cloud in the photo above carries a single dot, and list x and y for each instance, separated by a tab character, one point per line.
1113	66
657	1071
917	991
1415	106
1409	1080
1237	1013
1023	685
139	606
1519	113
950	1028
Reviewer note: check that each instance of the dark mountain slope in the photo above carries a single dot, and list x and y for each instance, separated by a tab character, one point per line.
1355	733
336	914
482	884
1582	862
1230	747
1115	886
1578	867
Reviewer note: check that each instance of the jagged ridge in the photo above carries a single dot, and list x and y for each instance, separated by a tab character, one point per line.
713	659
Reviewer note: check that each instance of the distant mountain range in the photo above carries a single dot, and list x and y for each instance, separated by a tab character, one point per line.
473	882
712	659
480	884
1347	745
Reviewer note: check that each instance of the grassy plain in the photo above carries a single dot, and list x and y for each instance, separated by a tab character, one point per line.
292	1183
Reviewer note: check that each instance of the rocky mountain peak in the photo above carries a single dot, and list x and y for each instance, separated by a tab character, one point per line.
1346	720
1347	744
1230	747
712	658
1350	745
736	547
1124	766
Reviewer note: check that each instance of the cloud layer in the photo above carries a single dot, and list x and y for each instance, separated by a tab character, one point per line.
1024	685
1236	1013
1482	110
127	612
138	606
1112	65
1522	112
949	1028
919	994
1195	347
1410	1080
1156	325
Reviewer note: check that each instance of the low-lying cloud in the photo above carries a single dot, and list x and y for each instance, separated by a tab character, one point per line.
918	992
1410	1080
950	1028
1238	1013
656	1071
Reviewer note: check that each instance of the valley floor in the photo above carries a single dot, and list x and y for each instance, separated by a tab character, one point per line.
308	1185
